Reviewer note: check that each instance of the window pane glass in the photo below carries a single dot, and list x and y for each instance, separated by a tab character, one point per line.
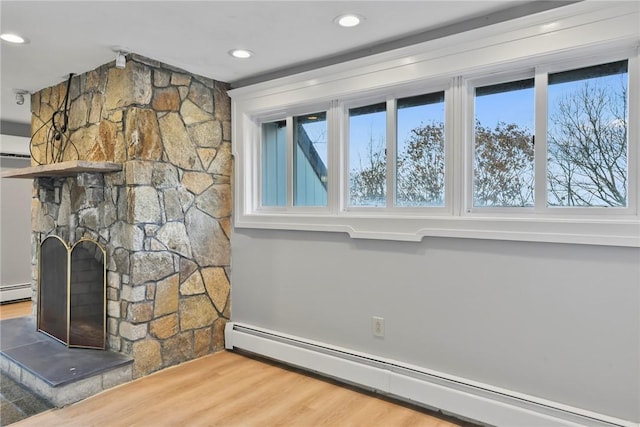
367	155
274	164
503	173
587	137
310	160
420	151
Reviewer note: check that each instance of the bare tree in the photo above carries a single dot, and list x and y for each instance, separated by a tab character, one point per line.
420	168
587	148
368	183
503	166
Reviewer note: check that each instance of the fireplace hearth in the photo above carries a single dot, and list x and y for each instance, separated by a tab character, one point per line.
58	374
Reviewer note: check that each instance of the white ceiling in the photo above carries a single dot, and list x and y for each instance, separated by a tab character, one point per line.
78	36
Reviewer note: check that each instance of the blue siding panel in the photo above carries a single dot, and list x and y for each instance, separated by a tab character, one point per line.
274	164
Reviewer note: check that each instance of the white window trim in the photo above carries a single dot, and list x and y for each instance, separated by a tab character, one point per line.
344	108
540	74
468	86
391	147
288	118
581	30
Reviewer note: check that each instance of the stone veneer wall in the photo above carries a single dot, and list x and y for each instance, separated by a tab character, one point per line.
164	219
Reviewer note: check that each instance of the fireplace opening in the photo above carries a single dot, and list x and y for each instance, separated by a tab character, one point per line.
71	292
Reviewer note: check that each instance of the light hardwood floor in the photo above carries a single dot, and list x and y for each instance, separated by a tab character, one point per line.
15	309
233	389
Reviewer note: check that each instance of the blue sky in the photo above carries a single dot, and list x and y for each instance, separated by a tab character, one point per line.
317	132
509	107
489	109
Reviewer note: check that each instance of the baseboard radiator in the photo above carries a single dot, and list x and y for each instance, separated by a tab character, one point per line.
461	398
15	292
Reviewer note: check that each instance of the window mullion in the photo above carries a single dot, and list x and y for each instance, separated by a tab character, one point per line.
334	154
344	130
391	160
289	171
255	175
540	135
468	147
455	126
633	133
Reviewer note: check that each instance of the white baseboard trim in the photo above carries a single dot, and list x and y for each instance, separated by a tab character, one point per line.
15	292
456	396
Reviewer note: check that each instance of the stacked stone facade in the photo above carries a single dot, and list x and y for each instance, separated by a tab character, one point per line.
164	219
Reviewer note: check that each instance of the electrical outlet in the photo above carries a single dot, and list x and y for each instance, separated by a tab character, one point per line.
377	326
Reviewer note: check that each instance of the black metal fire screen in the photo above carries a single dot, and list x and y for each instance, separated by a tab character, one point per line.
71	292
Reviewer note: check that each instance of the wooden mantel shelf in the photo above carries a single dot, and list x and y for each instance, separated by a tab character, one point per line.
62	169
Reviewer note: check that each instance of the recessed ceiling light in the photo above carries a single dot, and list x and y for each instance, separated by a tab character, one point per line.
349	20
12	38
241	53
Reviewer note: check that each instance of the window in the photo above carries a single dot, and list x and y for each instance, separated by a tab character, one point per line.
420	152
503	154
274	164
586	150
310	160
308	154
368	155
484	138
587	146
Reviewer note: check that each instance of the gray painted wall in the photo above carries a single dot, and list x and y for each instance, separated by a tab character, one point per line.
15	225
561	322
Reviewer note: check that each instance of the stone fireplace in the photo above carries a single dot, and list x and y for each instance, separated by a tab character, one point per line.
161	207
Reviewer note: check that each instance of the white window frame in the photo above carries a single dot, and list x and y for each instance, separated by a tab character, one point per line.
562	39
427	88
391	97
260	155
470	84
633	190
289	207
344	107
540	76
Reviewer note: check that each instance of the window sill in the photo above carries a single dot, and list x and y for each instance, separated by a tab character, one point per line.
586	231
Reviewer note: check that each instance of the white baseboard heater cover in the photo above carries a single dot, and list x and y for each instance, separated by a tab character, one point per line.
455	396
15	292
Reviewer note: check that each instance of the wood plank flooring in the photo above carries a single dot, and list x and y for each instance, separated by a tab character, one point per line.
15	309
233	389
